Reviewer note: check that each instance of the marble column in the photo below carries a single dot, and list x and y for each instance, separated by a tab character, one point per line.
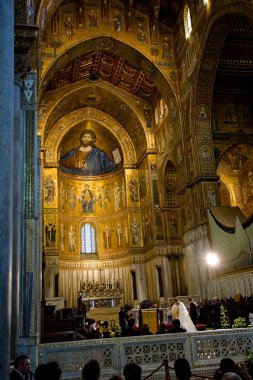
6	179
17	217
182	276
173	269
31	258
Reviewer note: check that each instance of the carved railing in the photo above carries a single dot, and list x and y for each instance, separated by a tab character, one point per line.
203	350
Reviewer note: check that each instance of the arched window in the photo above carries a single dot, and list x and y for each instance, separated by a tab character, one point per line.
187	21
88	239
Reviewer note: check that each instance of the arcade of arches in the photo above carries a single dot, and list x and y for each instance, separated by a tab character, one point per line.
133	139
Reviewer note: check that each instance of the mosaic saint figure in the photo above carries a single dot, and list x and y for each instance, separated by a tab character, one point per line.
87	200
117	22
119	234
136	232
62	197
80	13
147	116
167	48
103	197
211	196
116	193
69	26
129	17
105	9
86	159
62	236
154	32
143	188
50	231
123	190
72	239
126	232
107	237
93	19
71	197
173	226
133	188
141	35
49	187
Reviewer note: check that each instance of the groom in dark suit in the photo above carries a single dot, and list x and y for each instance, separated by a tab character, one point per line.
193	311
21	368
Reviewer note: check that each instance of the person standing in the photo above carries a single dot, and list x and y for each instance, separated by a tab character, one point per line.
21	368
180	312
123	321
193	311
175	310
216	313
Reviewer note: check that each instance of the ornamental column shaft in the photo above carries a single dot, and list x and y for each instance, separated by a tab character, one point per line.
31	258
6	178
17	218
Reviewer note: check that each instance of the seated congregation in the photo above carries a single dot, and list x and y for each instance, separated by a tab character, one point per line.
181	370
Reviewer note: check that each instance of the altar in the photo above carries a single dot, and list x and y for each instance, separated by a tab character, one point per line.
101	301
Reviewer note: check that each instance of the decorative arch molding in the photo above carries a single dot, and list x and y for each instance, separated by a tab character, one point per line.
46	10
226	150
166	161
168	165
230	192
205	72
77	93
116	47
65	124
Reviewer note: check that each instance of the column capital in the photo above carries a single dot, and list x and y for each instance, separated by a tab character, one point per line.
25	37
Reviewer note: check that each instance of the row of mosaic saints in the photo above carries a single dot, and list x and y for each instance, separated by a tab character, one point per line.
89	160
90	17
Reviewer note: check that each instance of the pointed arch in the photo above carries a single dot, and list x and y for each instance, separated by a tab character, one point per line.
205	72
113	46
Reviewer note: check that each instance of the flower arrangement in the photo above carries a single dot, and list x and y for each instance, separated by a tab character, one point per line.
239	323
225	324
116	330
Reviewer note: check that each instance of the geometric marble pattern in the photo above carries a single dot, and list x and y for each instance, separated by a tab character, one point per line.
203	350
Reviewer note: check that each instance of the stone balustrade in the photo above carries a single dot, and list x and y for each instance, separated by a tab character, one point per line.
203	350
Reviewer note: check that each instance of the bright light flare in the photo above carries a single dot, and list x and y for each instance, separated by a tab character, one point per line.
212	259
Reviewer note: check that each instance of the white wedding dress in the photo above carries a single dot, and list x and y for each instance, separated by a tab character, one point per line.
185	319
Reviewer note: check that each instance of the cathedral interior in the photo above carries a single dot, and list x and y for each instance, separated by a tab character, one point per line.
128	127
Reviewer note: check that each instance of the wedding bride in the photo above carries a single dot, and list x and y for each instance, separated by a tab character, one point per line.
180	312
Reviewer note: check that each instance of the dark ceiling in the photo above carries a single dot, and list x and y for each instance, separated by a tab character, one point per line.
168	12
111	68
235	67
